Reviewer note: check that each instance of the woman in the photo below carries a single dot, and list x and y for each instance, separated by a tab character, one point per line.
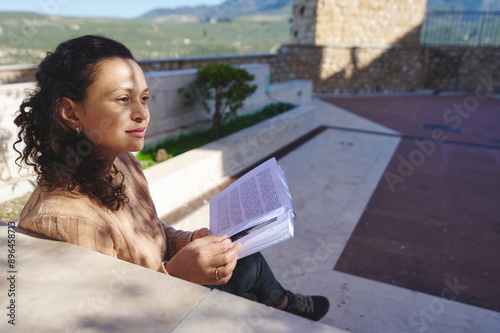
88	111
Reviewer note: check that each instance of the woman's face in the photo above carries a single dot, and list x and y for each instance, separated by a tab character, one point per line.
115	114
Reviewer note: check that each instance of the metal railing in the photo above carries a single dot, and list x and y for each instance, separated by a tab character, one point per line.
461	28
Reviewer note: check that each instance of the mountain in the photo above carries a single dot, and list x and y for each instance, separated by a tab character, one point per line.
223	12
235	8
466	5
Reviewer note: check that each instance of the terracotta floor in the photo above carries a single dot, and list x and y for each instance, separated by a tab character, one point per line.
433	223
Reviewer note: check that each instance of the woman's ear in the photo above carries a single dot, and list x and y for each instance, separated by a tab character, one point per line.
68	111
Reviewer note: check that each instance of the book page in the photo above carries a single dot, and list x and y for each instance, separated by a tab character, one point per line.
259	192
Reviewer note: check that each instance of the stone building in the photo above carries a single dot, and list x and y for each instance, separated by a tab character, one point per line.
373	46
359	22
338	42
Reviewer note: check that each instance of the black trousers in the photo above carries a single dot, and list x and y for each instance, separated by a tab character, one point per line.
253	279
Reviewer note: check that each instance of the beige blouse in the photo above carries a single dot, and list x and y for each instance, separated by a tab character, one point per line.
133	233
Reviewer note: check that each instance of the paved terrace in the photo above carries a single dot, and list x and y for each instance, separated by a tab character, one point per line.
413	250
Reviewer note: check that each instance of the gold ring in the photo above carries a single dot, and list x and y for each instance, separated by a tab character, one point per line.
216	273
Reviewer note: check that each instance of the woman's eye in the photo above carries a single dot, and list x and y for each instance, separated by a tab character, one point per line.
145	98
123	99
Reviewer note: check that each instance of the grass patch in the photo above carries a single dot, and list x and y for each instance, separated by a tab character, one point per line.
191	140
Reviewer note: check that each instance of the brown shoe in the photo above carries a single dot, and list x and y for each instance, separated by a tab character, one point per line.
310	307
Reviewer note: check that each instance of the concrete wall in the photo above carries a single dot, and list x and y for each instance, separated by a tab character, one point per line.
17	73
11	96
168	109
167	105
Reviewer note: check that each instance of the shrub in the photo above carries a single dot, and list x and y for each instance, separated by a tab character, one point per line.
226	85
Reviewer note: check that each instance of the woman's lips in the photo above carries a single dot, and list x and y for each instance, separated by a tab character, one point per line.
138	132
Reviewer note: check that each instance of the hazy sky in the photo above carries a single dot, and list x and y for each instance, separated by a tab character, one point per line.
97	8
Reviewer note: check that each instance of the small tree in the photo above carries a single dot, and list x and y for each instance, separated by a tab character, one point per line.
226	85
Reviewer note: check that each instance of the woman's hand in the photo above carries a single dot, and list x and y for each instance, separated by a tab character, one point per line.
197	261
200	233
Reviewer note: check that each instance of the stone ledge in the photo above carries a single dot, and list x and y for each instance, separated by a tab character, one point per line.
61	287
199	170
244	316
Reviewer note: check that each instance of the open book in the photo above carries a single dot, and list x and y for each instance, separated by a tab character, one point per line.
256	210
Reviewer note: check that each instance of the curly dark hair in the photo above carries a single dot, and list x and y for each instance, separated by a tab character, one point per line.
59	155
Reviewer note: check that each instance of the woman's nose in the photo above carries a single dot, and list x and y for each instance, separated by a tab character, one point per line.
141	112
